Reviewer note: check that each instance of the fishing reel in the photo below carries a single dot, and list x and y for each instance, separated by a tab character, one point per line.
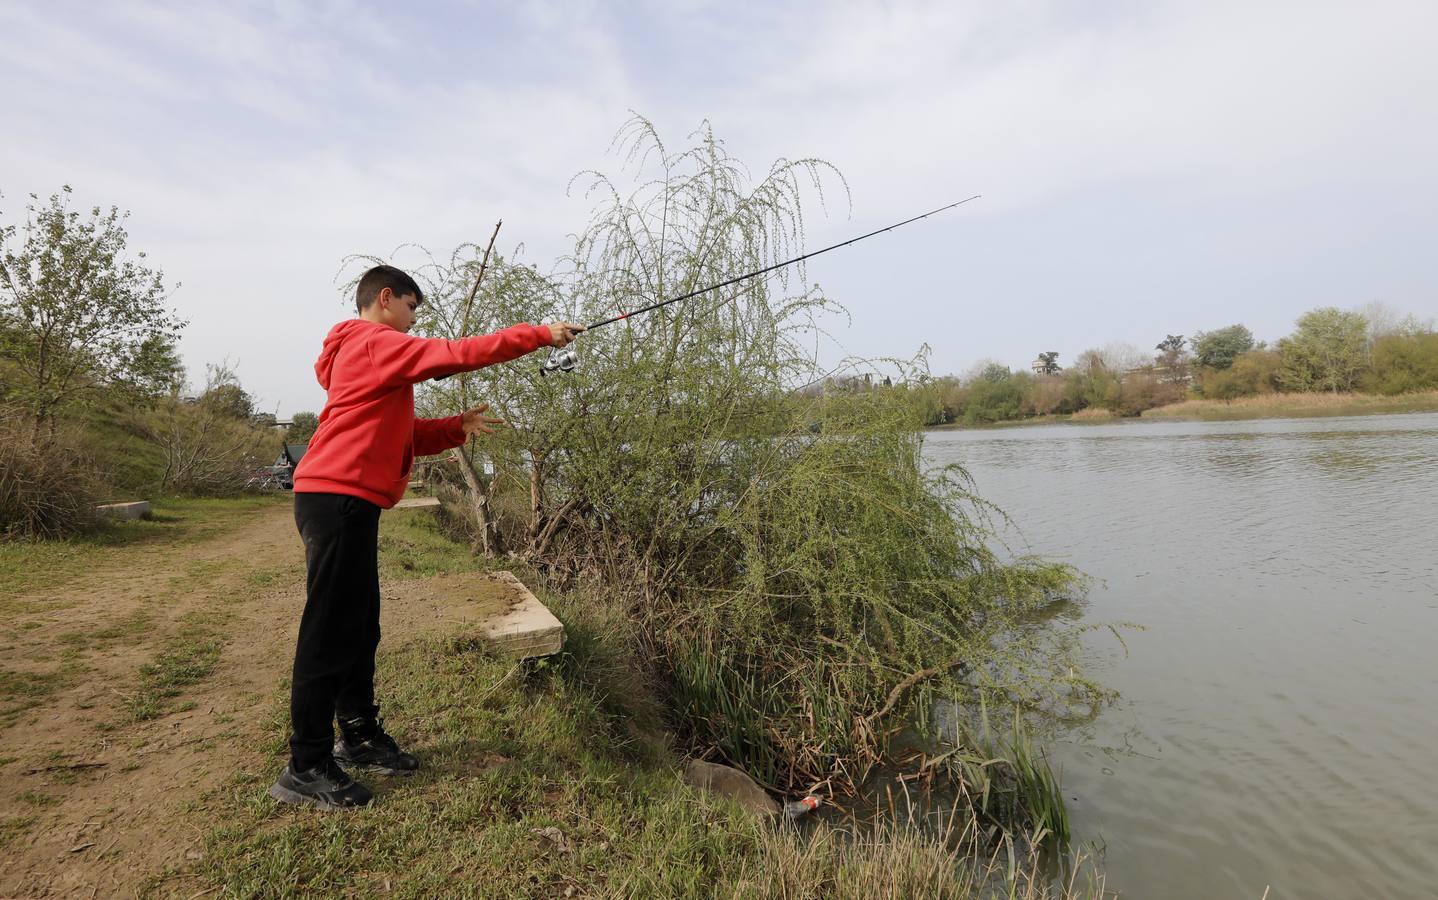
561	359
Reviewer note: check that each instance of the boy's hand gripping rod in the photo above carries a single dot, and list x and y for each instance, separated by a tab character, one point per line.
566	359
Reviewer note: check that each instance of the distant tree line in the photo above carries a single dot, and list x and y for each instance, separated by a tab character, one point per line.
1374	350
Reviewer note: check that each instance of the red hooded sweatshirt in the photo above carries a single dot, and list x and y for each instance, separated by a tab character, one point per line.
368	436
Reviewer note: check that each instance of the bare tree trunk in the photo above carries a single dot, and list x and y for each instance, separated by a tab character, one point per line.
536	494
541	541
478	493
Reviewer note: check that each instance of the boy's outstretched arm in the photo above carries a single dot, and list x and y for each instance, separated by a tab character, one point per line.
401	359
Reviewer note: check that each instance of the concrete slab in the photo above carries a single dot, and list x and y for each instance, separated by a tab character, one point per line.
497	608
417	503
137	509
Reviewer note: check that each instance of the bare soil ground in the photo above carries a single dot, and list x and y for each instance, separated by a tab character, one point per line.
133	687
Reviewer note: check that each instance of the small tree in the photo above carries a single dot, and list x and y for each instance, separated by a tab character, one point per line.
77	312
1093	380
224	394
1216	349
1173	343
1048	363
302	427
1172	361
1254	372
153	369
1328	351
1386	321
206	448
1403	362
995	373
996	395
795	589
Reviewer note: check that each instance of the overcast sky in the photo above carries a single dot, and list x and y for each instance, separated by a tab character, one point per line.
1145	167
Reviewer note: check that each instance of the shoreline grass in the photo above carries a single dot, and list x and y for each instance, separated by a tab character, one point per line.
539	780
1261	406
1297	406
554	777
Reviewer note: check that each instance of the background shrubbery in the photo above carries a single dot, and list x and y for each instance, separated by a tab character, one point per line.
47	489
90	380
1331	350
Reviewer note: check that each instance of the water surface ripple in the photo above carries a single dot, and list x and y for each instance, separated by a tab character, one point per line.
1279	719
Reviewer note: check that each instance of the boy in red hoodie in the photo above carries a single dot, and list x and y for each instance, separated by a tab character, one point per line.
357	463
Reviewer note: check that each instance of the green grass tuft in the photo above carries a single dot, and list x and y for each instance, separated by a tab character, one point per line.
185	660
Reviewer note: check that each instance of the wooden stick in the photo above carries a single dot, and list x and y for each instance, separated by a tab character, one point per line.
483	265
907	683
66	767
464	322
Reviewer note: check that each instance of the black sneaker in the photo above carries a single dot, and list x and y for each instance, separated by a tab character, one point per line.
326	786
376	753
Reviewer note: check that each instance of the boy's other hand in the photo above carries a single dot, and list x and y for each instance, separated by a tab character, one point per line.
561	333
475	421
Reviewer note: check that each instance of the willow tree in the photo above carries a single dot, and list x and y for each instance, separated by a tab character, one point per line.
802	580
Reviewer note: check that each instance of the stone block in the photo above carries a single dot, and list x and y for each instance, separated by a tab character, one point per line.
497	608
137	509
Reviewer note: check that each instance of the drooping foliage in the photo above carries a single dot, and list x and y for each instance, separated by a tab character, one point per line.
802	582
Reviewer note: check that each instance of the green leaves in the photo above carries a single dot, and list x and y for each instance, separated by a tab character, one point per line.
785	558
1326	353
1218	348
77	312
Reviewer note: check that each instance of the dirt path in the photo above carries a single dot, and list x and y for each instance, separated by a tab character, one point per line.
96	797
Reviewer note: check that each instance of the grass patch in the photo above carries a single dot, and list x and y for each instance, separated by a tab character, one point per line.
264	578
413	543
187	659
1093	414
28	566
548	778
12	827
21	691
540	780
1293	405
127	628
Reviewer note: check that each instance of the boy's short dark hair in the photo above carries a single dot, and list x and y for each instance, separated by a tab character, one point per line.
381	277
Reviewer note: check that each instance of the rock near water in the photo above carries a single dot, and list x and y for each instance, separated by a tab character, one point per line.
730	782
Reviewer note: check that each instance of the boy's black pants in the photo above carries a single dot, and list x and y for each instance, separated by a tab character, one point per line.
339	632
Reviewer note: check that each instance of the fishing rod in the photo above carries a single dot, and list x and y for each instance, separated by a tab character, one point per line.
567	358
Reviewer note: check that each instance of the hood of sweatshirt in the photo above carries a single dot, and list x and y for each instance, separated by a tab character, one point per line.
342	332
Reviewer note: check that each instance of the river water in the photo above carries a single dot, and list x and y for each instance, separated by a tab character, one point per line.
1278	725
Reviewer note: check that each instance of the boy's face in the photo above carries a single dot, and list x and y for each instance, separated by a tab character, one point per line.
396	311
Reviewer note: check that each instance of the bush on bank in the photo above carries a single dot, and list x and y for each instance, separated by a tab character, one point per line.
799	584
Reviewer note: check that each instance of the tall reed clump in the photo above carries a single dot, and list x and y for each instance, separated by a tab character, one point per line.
48	488
802	584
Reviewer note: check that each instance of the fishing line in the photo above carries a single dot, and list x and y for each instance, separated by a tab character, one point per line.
565	359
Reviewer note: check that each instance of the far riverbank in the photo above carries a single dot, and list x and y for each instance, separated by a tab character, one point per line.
1262	406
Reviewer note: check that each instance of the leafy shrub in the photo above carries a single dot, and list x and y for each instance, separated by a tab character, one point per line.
1403	363
995	396
796	576
1251	373
1046	395
204	449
